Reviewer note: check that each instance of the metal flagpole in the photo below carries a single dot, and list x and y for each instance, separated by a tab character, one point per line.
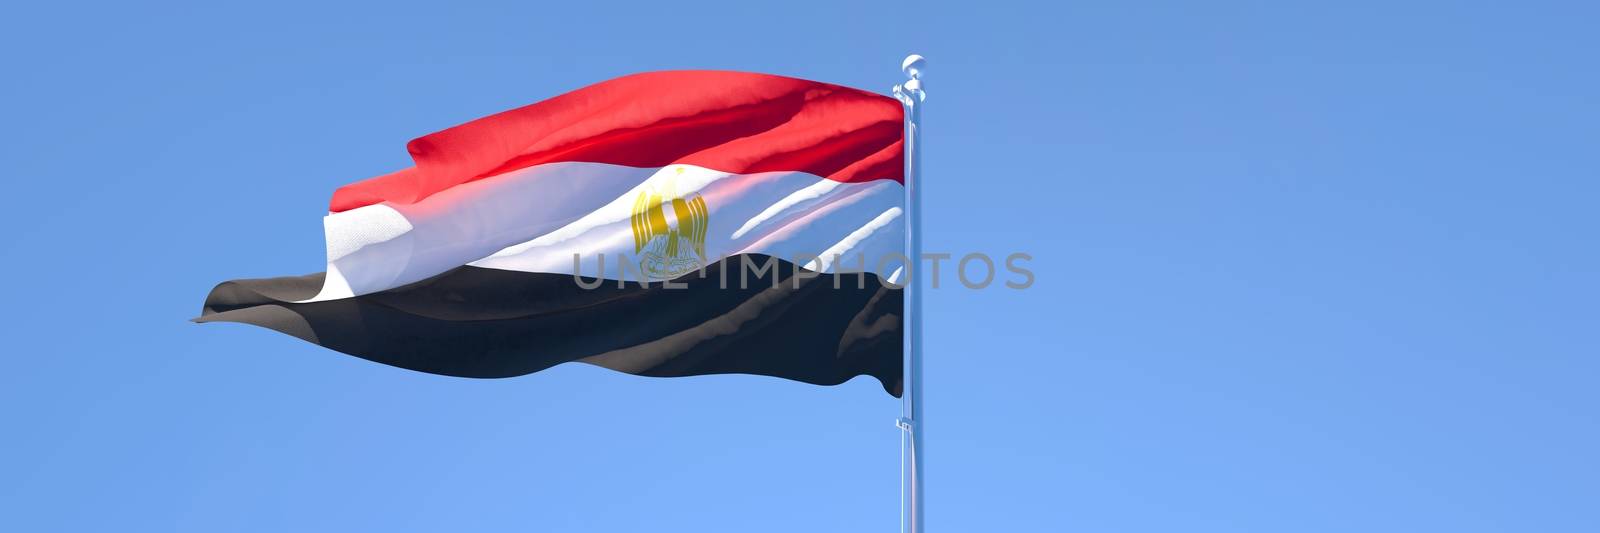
911	420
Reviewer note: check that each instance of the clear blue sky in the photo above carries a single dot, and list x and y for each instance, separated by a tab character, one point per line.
1299	269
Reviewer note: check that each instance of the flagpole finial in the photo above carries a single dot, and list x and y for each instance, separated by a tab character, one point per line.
913	66
911	92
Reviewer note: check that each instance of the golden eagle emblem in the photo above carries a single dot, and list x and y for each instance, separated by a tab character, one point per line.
671	241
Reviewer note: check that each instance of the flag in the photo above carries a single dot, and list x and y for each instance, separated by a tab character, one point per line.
663	224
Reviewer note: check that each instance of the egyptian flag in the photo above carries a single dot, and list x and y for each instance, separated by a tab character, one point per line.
663	224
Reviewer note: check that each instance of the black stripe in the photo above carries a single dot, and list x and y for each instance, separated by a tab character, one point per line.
487	323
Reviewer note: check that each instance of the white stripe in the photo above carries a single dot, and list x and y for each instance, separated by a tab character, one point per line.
535	219
798	200
854	243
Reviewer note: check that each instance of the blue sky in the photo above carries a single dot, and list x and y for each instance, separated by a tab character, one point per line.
1299	268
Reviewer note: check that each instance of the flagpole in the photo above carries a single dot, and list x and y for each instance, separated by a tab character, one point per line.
912	435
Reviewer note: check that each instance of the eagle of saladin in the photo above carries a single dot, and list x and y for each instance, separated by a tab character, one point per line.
669	230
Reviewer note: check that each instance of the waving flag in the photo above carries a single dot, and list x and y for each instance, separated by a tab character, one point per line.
663	224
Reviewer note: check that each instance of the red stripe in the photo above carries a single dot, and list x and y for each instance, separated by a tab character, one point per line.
729	121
